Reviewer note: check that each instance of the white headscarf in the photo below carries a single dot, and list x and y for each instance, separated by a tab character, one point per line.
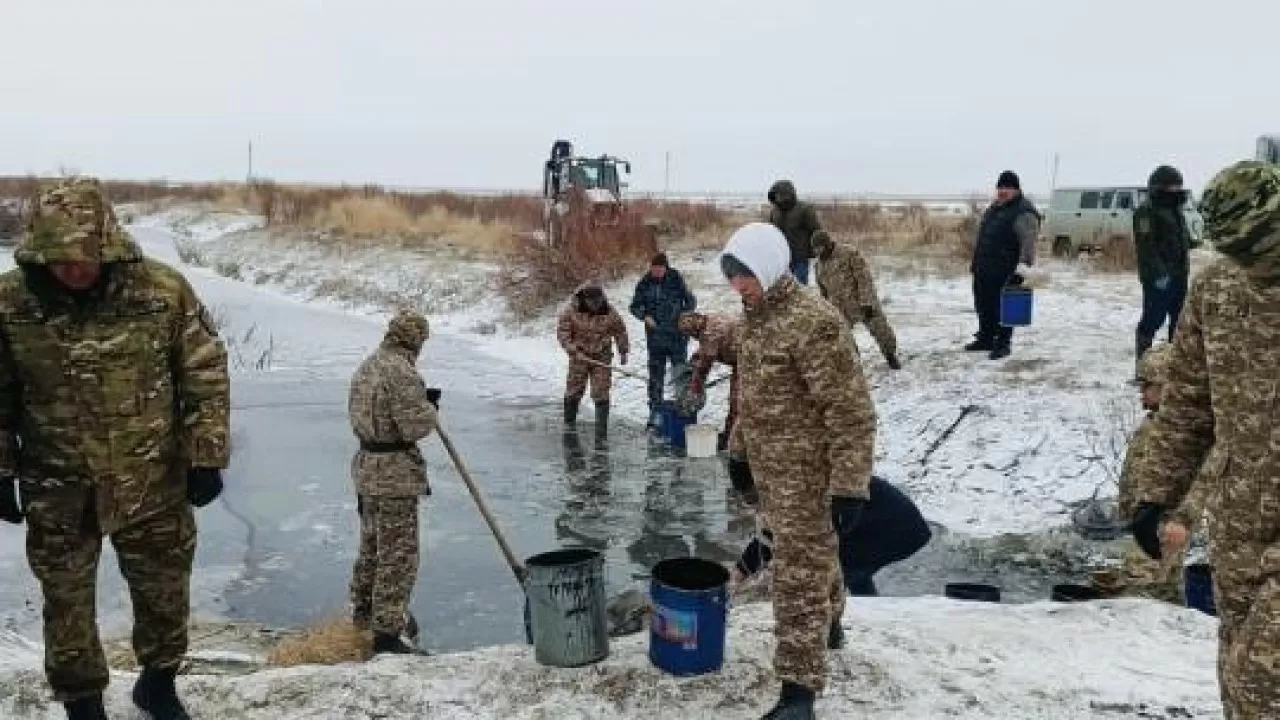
763	249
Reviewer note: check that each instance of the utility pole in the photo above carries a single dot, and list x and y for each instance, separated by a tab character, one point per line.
1053	177
248	180
666	175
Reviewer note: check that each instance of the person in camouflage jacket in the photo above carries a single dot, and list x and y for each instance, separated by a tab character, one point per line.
1217	425
807	429
717	337
844	278
587	330
390	410
114	418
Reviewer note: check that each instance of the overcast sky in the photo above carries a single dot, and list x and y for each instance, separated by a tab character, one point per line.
925	96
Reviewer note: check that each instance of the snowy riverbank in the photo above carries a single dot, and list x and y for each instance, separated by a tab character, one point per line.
907	659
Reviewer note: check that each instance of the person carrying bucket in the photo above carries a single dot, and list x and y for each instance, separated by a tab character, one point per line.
891	530
1005	244
717	337
844	278
587	330
807	428
391	409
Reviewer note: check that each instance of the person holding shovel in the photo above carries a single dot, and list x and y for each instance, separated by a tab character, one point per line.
807	428
391	409
588	329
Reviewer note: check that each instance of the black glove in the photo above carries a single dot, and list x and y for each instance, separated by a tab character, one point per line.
868	313
433	397
757	554
1146	528
10	511
1016	279
204	485
846	512
743	482
360	506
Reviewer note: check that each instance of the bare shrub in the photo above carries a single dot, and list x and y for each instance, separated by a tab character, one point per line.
1118	255
329	643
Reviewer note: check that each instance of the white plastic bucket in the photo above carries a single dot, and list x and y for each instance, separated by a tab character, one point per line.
700	441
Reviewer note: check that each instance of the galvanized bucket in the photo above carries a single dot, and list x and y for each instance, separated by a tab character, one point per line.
565	607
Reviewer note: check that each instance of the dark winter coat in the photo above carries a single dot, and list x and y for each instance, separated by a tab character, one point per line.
663	300
798	222
1162	241
1006	236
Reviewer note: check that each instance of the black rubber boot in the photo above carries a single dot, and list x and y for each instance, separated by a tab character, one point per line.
155	694
387	644
980	345
571	410
893	362
86	708
835	636
1000	351
796	703
602	416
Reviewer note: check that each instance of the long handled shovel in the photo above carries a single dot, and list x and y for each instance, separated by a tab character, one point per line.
516	568
617	369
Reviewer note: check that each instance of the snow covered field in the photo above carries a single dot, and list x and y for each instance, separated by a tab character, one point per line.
907	659
1040	438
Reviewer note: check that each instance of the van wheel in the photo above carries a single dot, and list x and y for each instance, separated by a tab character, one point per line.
1062	248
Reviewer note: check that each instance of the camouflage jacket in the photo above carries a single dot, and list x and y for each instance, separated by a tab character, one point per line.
845	280
388	405
717	343
807	421
123	389
1217	419
1162	241
1133	457
578	330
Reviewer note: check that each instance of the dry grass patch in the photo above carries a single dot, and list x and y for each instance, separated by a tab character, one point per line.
332	642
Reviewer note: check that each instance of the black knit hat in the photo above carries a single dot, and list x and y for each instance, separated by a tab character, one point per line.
1009	179
1164	176
659	260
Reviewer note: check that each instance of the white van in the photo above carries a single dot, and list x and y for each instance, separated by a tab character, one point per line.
1084	218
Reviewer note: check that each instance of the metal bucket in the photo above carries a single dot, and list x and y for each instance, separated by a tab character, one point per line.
565	607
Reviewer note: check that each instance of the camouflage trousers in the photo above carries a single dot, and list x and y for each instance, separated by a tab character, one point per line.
580	372
879	328
64	544
808	595
1248	644
387	567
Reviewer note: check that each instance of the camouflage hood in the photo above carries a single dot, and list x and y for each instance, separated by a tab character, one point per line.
586	289
408	330
1241	208
73	221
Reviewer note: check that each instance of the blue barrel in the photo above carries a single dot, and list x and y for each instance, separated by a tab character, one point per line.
1016	304
1198	588
690	615
565	607
673	424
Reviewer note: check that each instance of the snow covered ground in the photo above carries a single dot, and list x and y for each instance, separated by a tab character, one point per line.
908	659
1046	427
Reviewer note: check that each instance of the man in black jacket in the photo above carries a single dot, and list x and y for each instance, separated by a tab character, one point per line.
1006	238
1163	244
660	299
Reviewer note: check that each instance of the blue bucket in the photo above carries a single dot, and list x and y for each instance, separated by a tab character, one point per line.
1016	304
1198	588
673	424
690	615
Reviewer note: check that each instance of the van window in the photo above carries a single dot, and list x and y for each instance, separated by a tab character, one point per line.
1104	201
1124	201
1089	200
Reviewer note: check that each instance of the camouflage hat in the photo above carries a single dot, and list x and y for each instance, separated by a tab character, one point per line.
822	242
691	323
72	221
1241	209
408	329
1154	368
